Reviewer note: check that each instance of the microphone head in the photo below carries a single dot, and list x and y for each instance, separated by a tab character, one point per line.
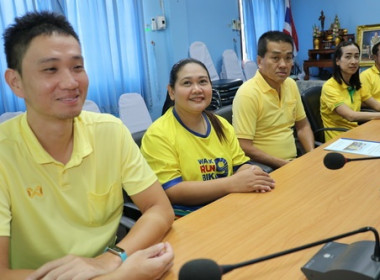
334	160
200	269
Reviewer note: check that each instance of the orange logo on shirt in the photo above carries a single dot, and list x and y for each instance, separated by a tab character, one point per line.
36	191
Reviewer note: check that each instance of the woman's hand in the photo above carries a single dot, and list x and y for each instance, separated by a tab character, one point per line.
252	179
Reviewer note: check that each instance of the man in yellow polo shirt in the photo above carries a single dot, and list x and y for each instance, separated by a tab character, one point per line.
63	171
370	77
268	106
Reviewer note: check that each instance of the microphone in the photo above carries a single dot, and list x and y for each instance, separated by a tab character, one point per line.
334	261
200	269
337	160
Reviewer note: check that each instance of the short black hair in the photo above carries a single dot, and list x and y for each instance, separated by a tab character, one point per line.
272	36
375	48
17	36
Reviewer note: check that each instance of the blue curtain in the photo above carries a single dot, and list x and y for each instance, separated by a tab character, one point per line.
112	47
260	16
110	34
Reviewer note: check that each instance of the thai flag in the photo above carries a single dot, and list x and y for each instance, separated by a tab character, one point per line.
289	27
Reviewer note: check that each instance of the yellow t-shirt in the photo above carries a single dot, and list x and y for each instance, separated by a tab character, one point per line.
49	209
370	78
178	154
261	116
333	95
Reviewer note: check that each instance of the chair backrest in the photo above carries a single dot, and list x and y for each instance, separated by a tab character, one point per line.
311	102
225	112
231	66
133	112
250	68
305	84
91	106
198	50
8	115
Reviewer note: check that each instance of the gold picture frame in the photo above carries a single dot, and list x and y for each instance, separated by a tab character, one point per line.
367	36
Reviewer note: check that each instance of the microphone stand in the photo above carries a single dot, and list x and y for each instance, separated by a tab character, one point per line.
362	158
335	261
375	256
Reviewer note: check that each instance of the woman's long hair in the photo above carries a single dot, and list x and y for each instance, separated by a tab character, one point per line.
337	72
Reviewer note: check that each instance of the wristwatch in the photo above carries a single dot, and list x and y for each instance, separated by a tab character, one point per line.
117	251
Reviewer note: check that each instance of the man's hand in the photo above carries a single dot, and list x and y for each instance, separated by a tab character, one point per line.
148	264
71	268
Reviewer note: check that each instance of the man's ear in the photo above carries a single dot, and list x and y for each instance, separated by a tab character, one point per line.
171	92
13	79
258	59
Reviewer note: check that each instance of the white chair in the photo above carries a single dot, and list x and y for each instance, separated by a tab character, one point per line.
225	88
133	112
199	51
231	66
250	68
91	106
8	115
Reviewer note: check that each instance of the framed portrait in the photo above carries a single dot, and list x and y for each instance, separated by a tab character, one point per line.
367	36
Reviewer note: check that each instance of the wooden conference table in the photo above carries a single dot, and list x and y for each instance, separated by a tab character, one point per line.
309	203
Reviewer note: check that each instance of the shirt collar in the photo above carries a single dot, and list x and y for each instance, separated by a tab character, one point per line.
262	83
264	86
374	69
81	147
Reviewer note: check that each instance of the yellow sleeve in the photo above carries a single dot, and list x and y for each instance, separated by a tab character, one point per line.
331	96
137	175
245	112
300	111
160	153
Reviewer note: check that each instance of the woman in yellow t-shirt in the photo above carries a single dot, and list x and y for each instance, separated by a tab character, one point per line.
195	154
343	94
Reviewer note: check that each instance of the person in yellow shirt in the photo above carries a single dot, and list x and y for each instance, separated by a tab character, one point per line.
268	106
370	77
194	152
343	94
63	171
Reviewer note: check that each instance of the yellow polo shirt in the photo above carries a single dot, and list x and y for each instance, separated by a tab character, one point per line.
260	115
371	79
333	95
49	209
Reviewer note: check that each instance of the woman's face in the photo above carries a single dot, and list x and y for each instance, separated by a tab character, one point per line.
192	91
349	61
